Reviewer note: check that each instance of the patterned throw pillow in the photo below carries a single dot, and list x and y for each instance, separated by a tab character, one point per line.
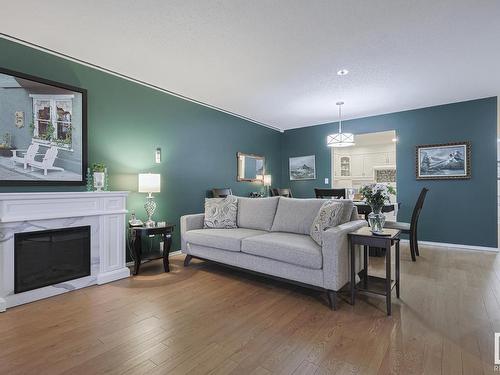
331	214
220	213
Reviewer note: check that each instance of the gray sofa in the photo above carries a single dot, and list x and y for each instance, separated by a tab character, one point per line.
272	238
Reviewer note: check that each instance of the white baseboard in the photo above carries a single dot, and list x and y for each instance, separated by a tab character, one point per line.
455	246
178	252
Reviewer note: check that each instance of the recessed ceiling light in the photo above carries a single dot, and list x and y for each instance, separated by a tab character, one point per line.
342	72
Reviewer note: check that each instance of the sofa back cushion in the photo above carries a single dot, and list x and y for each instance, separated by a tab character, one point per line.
257	213
296	215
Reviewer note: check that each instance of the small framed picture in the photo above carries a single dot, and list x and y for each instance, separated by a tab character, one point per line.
303	168
443	161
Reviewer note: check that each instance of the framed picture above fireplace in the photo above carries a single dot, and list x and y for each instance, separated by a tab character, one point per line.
43	131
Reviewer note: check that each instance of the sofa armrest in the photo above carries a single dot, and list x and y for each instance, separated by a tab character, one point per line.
336	270
190	222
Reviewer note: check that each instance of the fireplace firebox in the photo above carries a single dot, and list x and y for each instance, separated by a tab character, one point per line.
49	257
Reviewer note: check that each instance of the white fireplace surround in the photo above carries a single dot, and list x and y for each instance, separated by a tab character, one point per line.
105	212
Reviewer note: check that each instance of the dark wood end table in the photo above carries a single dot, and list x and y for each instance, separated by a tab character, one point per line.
374	284
138	233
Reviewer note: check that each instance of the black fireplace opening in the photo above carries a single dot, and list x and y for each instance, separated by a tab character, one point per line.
50	257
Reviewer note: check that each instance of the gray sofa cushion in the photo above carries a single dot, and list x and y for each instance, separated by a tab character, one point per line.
257	213
290	248
226	239
220	212
296	215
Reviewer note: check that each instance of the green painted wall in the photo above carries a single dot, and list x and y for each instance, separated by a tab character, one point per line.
455	211
127	122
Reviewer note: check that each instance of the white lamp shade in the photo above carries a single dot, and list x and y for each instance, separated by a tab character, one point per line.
340	140
267	180
149	183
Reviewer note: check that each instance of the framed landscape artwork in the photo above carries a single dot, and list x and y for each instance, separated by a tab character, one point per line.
303	168
43	131
443	161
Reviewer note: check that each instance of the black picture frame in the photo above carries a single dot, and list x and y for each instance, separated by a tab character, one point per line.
84	162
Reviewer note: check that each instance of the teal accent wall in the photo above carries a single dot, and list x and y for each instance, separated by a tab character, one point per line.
128	121
456	211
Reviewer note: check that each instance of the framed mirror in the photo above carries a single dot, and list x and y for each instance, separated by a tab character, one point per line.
250	167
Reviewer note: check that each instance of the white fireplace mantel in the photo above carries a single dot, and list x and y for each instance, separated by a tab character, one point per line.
104	212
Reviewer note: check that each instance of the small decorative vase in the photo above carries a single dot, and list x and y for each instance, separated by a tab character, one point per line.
89	181
98	181
376	219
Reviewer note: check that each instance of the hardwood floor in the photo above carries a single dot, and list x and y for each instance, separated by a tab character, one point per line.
209	319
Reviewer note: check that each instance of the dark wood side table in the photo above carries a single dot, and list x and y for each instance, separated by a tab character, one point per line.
368	283
138	233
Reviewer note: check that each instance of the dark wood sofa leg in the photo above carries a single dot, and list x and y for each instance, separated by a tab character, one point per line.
332	299
187	259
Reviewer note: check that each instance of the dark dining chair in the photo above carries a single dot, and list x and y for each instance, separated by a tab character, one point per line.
221	193
330	193
281	193
411	228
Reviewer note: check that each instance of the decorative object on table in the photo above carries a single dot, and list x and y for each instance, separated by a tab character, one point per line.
160	224
376	195
443	161
57	117
220	213
256	194
302	168
340	139
98	173
138	233
250	167
331	214
19	119
134	221
89	181
149	183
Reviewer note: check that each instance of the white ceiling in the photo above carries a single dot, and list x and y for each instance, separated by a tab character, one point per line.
276	61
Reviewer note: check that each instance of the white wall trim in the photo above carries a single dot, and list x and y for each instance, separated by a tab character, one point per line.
128	78
455	246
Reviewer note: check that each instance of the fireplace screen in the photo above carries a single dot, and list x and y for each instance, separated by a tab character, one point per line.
49	257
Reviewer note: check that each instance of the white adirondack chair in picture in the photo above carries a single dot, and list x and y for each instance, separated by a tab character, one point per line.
25	156
47	162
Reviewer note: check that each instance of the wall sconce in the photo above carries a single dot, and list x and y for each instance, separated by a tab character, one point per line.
158	156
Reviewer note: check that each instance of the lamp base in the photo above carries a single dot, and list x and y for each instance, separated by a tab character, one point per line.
150	207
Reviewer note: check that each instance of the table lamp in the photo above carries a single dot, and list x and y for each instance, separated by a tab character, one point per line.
149	183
